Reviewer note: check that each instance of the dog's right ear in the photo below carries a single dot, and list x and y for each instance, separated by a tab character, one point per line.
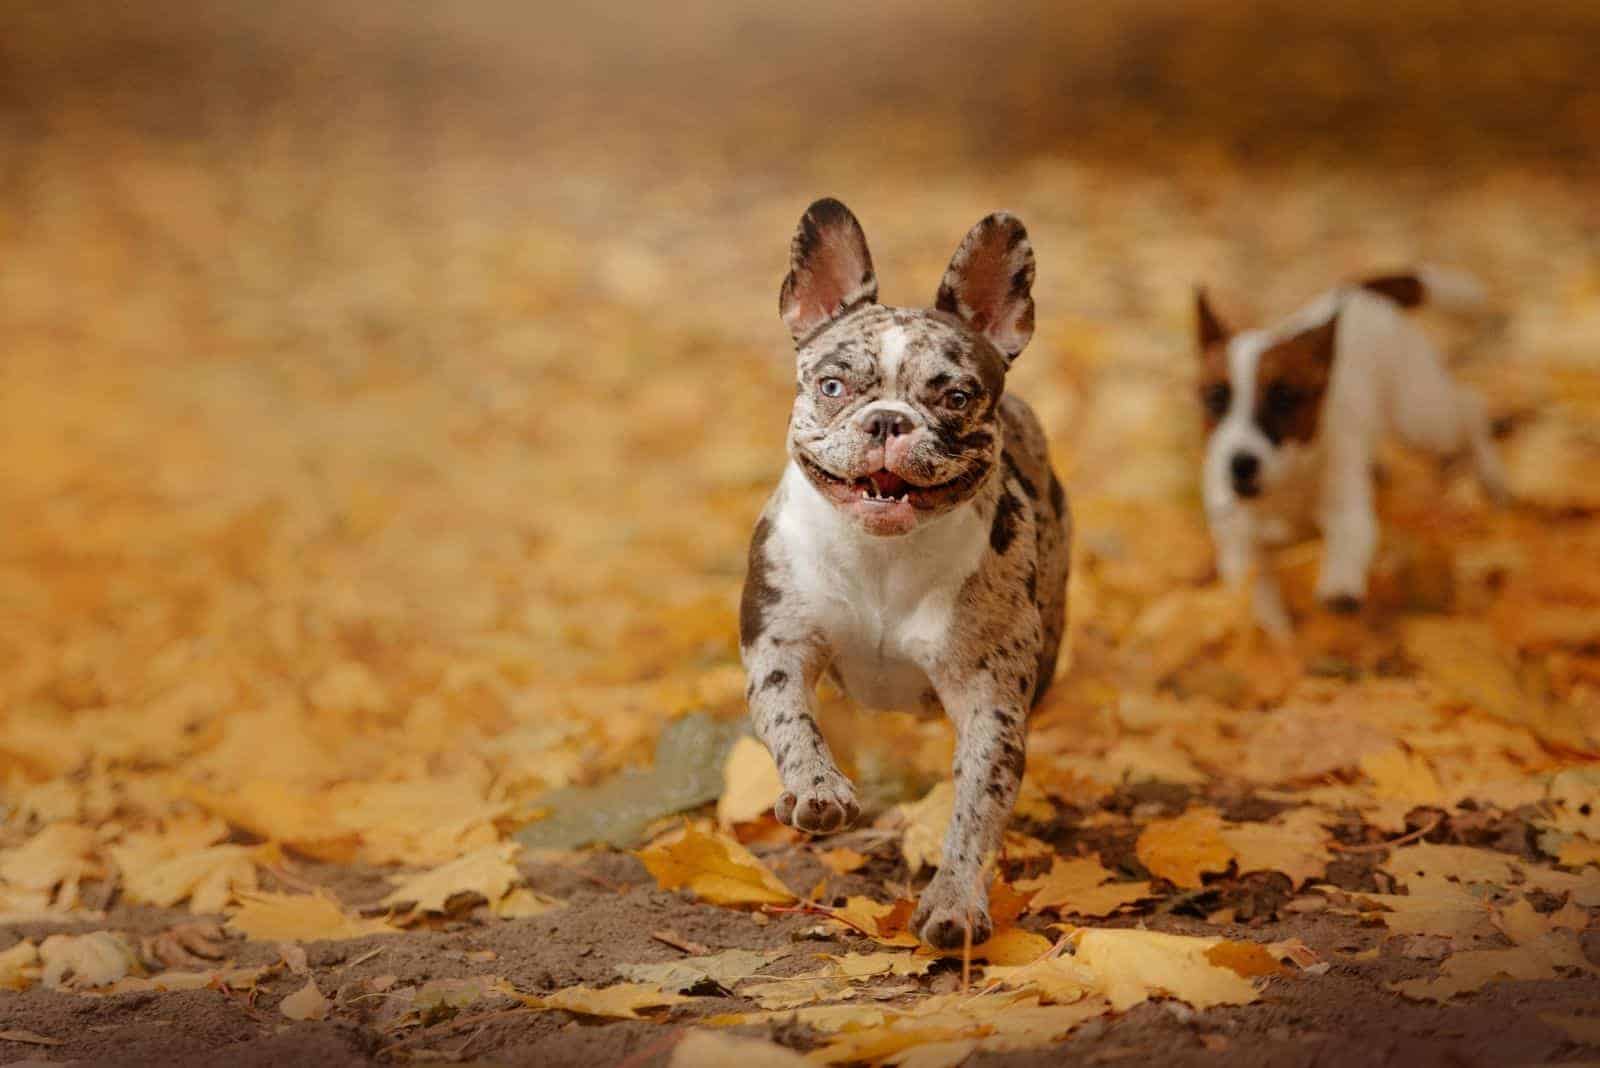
830	270
1210	328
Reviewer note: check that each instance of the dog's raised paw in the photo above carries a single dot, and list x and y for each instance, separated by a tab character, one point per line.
821	808
944	914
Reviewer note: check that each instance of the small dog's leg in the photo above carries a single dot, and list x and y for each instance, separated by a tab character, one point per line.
990	753
1349	526
782	694
1480	441
1239	559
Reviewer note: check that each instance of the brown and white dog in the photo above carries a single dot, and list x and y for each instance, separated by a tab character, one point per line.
916	547
1295	413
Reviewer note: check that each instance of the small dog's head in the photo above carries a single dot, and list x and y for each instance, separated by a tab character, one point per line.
1262	394
896	410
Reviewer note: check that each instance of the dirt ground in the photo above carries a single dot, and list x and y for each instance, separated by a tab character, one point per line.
387	394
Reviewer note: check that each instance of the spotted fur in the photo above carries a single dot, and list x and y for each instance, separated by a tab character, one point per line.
959	590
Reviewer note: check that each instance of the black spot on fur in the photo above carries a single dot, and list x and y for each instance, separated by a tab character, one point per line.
939	381
759	594
1022	684
997	790
1022	480
1058	496
1004	529
819	780
1016	760
774	680
1033	581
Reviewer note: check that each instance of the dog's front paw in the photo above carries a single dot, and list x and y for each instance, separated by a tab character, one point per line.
950	906
1346	604
826	805
1343	595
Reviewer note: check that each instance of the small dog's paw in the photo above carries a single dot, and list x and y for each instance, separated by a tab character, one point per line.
827	805
945	911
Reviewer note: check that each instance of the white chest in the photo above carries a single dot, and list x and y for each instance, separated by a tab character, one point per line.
885	605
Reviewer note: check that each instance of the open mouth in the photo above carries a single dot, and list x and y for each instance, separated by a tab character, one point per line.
883	487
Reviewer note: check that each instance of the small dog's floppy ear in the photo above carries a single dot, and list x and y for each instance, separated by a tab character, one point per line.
1211	330
830	269
989	283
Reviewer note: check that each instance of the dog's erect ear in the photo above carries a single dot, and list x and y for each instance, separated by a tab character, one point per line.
989	283
1319	343
830	269
1211	330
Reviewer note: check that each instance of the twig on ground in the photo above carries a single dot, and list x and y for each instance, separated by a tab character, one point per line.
1374	847
811	908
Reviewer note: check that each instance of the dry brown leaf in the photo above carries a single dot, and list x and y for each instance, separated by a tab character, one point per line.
714	868
1294	844
522	902
268	917
487	873
1469	970
307	1003
750	783
1081	886
83	962
1464	864
1435	906
621	1001
19	966
1184	849
1130	966
726	969
210	878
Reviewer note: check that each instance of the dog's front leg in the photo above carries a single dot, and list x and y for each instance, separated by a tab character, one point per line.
1240	560
991	715
783	676
1349	526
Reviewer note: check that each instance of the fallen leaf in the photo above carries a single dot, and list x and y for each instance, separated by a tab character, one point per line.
1130	966
1473	969
925	823
750	783
19	966
1184	849
307	1003
1294	844
1081	886
842	861
713	867
269	917
1434	906
725	969
1401	776
522	902
621	1001
83	962
1464	864
487	873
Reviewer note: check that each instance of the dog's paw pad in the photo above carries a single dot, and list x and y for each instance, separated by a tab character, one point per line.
946	928
822	809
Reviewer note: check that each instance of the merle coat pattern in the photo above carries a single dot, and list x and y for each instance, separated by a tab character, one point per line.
917	545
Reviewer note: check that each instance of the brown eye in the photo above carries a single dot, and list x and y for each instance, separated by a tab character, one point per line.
1216	398
831	387
957	399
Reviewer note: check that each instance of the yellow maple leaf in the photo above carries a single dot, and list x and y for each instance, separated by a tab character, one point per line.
1081	886
19	966
1403	776
1435	906
621	1001
1465	864
1294	844
925	823
211	878
713	867
1130	966
269	917
307	1003
488	872
83	962
1184	849
750	783
1543	958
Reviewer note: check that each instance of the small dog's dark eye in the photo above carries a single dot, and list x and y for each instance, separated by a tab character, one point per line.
1216	399
1281	397
957	399
831	387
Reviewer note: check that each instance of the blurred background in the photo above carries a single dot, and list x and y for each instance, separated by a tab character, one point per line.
388	389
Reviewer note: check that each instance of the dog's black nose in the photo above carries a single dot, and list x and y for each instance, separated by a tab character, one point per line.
1245	467
884	424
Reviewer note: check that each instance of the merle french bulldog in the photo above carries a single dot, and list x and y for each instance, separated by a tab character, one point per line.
917	545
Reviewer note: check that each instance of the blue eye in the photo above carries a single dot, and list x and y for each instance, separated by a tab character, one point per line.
832	387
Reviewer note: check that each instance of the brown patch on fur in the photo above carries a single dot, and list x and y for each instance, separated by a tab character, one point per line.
1406	290
1291	380
759	594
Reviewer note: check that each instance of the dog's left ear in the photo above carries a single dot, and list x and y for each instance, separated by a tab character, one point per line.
1317	345
989	283
830	270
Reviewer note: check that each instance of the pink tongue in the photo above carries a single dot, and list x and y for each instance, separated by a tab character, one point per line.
887	481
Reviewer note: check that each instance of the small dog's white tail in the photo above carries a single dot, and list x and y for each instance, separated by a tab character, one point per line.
1447	287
